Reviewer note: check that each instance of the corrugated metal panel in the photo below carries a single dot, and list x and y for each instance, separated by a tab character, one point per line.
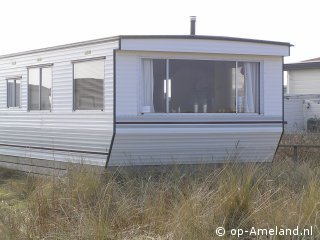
304	81
62	128
68	157
204	46
158	144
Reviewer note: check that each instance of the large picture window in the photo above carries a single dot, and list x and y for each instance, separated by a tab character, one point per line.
39	88
200	86
88	85
13	92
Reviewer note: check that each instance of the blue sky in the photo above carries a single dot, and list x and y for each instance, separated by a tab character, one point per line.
32	24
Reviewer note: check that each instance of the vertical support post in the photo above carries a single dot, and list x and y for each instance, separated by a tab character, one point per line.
236	83
193	25
295	154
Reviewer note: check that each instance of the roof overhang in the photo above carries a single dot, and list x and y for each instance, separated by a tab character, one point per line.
204	37
301	66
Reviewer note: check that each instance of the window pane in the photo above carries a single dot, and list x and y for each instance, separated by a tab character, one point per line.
46	83
33	88
17	90
88	85
201	86
159	76
10	93
248	87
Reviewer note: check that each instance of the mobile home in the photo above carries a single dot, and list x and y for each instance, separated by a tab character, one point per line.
142	100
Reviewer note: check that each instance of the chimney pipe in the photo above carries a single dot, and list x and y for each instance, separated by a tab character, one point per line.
193	25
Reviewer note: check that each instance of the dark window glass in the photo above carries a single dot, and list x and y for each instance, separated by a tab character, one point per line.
46	83
159	76
39	88
88	85
13	93
200	86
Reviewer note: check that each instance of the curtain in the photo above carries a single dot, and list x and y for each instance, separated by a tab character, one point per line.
251	76
147	86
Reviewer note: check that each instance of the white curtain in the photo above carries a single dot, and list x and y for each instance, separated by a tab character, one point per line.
251	76
147	86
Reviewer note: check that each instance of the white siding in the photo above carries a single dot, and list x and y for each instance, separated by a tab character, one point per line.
304	81
61	128
204	46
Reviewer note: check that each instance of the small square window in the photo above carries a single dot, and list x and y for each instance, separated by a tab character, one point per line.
13	93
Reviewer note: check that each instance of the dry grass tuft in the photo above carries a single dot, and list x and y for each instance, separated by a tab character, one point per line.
160	203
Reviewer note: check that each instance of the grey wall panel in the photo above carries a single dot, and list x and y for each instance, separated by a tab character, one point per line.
158	144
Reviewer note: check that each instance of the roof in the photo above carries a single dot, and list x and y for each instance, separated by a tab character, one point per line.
118	38
301	66
312	60
313	63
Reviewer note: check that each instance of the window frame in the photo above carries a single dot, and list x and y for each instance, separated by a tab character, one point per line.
40	84
73	62
236	60
15	78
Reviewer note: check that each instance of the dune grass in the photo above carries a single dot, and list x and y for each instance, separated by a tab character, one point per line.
162	203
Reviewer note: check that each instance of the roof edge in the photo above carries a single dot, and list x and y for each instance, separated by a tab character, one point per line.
206	37
301	66
64	46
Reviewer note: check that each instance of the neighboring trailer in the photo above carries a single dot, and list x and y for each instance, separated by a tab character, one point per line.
162	100
303	77
303	93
